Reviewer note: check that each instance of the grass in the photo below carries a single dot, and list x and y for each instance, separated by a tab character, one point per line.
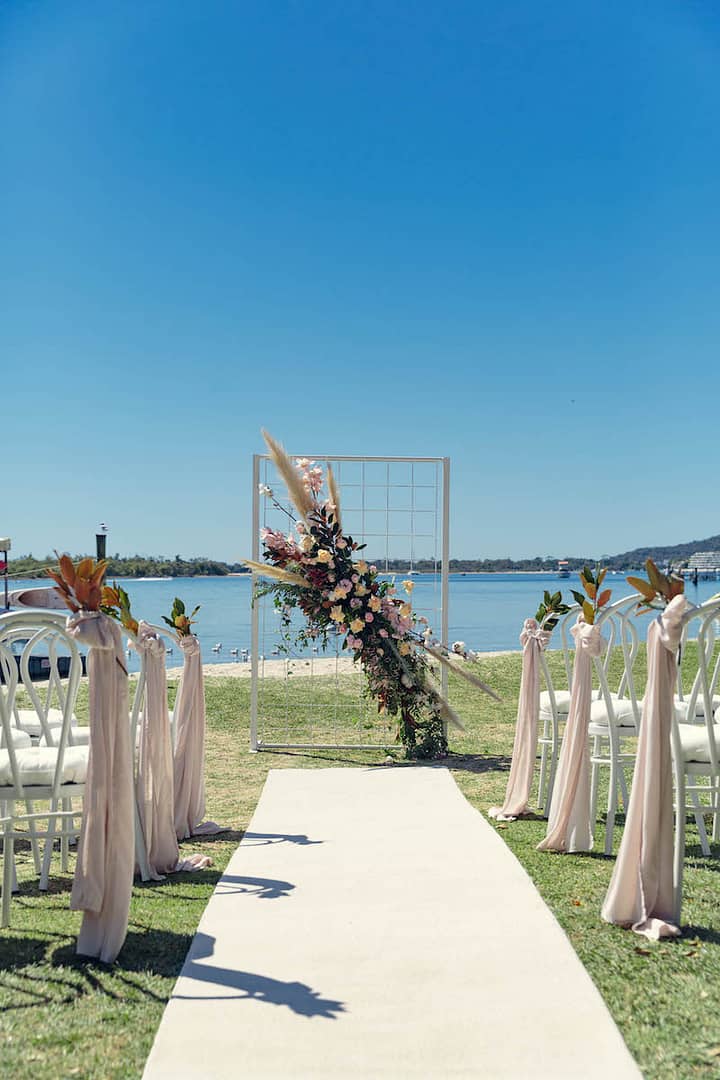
81	1019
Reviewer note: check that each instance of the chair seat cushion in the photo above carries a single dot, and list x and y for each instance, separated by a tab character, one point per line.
562	701
80	735
694	742
623	715
29	721
19	738
37	766
681	707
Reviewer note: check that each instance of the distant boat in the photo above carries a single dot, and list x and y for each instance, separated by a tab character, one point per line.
563	569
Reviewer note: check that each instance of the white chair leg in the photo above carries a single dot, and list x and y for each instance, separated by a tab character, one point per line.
699	815
594	779
679	852
47	853
34	842
715	790
543	776
612	799
8	874
65	825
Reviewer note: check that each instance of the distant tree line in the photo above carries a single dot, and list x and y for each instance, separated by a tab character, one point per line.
134	566
675	555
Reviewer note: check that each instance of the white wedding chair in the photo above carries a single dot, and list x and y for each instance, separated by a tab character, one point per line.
614	714
696	745
136	717
554	706
53	773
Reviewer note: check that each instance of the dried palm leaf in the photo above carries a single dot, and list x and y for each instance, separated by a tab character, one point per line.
449	714
460	671
300	497
285	576
334	493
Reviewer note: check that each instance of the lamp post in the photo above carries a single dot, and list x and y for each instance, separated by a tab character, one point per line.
101	541
5	546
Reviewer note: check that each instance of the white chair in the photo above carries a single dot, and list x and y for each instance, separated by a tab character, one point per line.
136	716
696	746
54	773
554	706
42	721
614	714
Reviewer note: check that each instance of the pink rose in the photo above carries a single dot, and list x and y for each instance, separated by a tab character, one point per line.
369	617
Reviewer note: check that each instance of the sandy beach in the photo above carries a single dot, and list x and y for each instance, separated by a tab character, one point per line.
277	669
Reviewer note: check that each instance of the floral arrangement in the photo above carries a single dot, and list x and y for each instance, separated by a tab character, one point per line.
315	568
179	621
659	590
80	586
594	599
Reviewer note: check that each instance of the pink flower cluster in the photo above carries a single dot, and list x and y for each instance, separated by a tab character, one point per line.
310	474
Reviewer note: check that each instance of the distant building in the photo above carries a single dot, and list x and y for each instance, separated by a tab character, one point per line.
704	561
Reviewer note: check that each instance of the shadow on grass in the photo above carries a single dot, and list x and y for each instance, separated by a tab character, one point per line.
478	763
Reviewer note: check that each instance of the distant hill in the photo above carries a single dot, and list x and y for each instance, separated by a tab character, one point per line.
677	554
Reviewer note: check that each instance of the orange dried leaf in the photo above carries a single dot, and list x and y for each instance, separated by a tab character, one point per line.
643	587
604	597
67	569
84	568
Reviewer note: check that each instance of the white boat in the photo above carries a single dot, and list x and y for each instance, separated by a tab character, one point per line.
563	569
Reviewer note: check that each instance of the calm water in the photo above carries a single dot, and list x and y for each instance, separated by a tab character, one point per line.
486	610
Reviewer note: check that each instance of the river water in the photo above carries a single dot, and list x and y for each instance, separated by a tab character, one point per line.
486	611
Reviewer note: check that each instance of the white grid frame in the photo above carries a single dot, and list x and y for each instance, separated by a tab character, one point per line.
370	489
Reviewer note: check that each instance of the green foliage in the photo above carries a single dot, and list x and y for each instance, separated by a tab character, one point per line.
179	621
550	610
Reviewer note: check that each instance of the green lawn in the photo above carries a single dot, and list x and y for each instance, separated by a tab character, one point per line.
79	1019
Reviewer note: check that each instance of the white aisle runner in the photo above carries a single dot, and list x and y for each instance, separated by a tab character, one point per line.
372	924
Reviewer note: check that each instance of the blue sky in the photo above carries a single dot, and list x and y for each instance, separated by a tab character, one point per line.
483	230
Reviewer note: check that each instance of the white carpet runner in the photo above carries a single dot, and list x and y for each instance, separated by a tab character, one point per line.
372	924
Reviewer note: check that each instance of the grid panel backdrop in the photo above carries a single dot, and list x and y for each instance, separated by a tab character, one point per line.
315	698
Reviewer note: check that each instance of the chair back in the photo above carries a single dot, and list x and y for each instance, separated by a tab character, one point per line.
45	634
617	621
704	685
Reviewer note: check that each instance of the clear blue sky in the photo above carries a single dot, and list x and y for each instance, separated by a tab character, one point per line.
487	230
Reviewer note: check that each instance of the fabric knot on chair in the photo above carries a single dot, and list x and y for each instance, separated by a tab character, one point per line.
92	628
190	645
670	622
532	632
149	641
588	638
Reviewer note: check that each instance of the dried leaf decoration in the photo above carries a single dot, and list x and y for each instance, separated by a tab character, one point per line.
179	620
659	590
80	586
116	604
593	601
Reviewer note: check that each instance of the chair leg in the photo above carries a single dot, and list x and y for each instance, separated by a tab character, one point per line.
715	789
65	824
594	778
612	797
543	776
49	841
8	873
699	815
34	843
679	852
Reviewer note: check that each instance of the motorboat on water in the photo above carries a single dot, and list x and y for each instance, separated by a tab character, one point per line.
563	569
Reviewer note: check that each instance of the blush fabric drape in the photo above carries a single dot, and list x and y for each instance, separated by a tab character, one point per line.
534	641
641	893
102	885
569	826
